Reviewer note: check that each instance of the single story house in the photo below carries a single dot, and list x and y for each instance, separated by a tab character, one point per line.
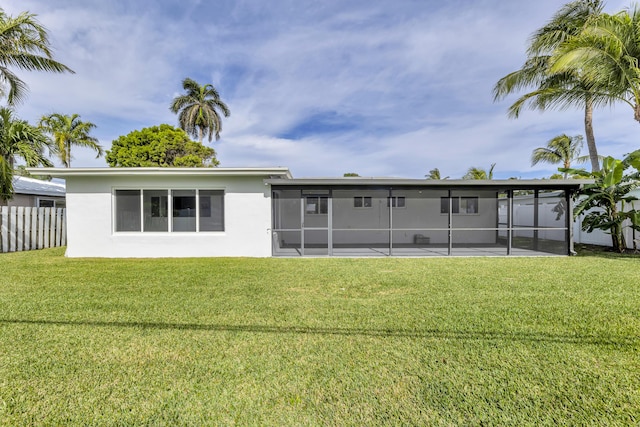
31	192
263	212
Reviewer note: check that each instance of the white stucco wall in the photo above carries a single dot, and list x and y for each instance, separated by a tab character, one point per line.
90	228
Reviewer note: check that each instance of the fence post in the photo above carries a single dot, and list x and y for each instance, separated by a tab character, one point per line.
20	226
12	229
63	230
4	231
34	228
27	228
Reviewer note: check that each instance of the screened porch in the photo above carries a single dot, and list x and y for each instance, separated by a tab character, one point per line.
442	219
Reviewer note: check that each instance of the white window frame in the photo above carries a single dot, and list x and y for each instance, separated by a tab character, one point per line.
393	201
363	202
459	198
169	210
318	204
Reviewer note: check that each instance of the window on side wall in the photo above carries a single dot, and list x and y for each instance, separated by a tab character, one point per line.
362	202
46	203
396	201
459	205
316	205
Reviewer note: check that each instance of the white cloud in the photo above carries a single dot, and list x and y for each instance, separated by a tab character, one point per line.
410	81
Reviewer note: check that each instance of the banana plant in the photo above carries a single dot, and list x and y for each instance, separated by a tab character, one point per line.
605	202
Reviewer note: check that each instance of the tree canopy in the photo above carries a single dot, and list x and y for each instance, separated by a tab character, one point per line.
24	45
159	146
66	131
562	149
197	110
18	139
555	88
479	173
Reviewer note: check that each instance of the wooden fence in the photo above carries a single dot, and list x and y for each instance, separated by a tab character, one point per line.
26	228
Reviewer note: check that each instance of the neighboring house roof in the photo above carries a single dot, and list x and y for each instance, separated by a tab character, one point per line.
37	187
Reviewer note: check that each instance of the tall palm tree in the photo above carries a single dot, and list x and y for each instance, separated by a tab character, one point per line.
479	173
562	149
197	110
560	89
24	44
18	139
68	130
607	52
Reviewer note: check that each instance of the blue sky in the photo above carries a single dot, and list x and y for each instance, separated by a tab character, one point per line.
381	88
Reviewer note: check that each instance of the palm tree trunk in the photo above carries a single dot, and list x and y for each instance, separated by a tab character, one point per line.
588	130
200	135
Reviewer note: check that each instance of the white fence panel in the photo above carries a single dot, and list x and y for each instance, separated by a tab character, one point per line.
26	228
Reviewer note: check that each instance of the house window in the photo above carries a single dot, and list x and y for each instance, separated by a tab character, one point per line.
46	203
317	205
362	202
211	210
169	210
396	201
155	210
127	210
459	205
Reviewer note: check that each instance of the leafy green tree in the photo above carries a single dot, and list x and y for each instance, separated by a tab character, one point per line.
557	89
18	139
159	146
561	149
351	174
68	130
604	202
197	110
479	173
435	174
24	44
606	52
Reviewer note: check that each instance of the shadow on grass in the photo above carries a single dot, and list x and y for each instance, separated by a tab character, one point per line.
584	339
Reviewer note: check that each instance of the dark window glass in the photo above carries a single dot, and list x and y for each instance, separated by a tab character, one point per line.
127	210
211	210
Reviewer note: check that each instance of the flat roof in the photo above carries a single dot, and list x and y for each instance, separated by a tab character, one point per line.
140	171
513	184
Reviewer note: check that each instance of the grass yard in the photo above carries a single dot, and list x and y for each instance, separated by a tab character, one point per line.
437	341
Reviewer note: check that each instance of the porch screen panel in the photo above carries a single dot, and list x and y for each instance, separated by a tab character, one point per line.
524	217
552	222
211	210
127	210
360	222
474	222
316	221
419	226
287	224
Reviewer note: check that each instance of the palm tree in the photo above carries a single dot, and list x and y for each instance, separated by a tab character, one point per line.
24	44
560	89
198	110
67	131
479	173
435	174
562	149
18	139
607	52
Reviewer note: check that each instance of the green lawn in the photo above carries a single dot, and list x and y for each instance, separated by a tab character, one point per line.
438	341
